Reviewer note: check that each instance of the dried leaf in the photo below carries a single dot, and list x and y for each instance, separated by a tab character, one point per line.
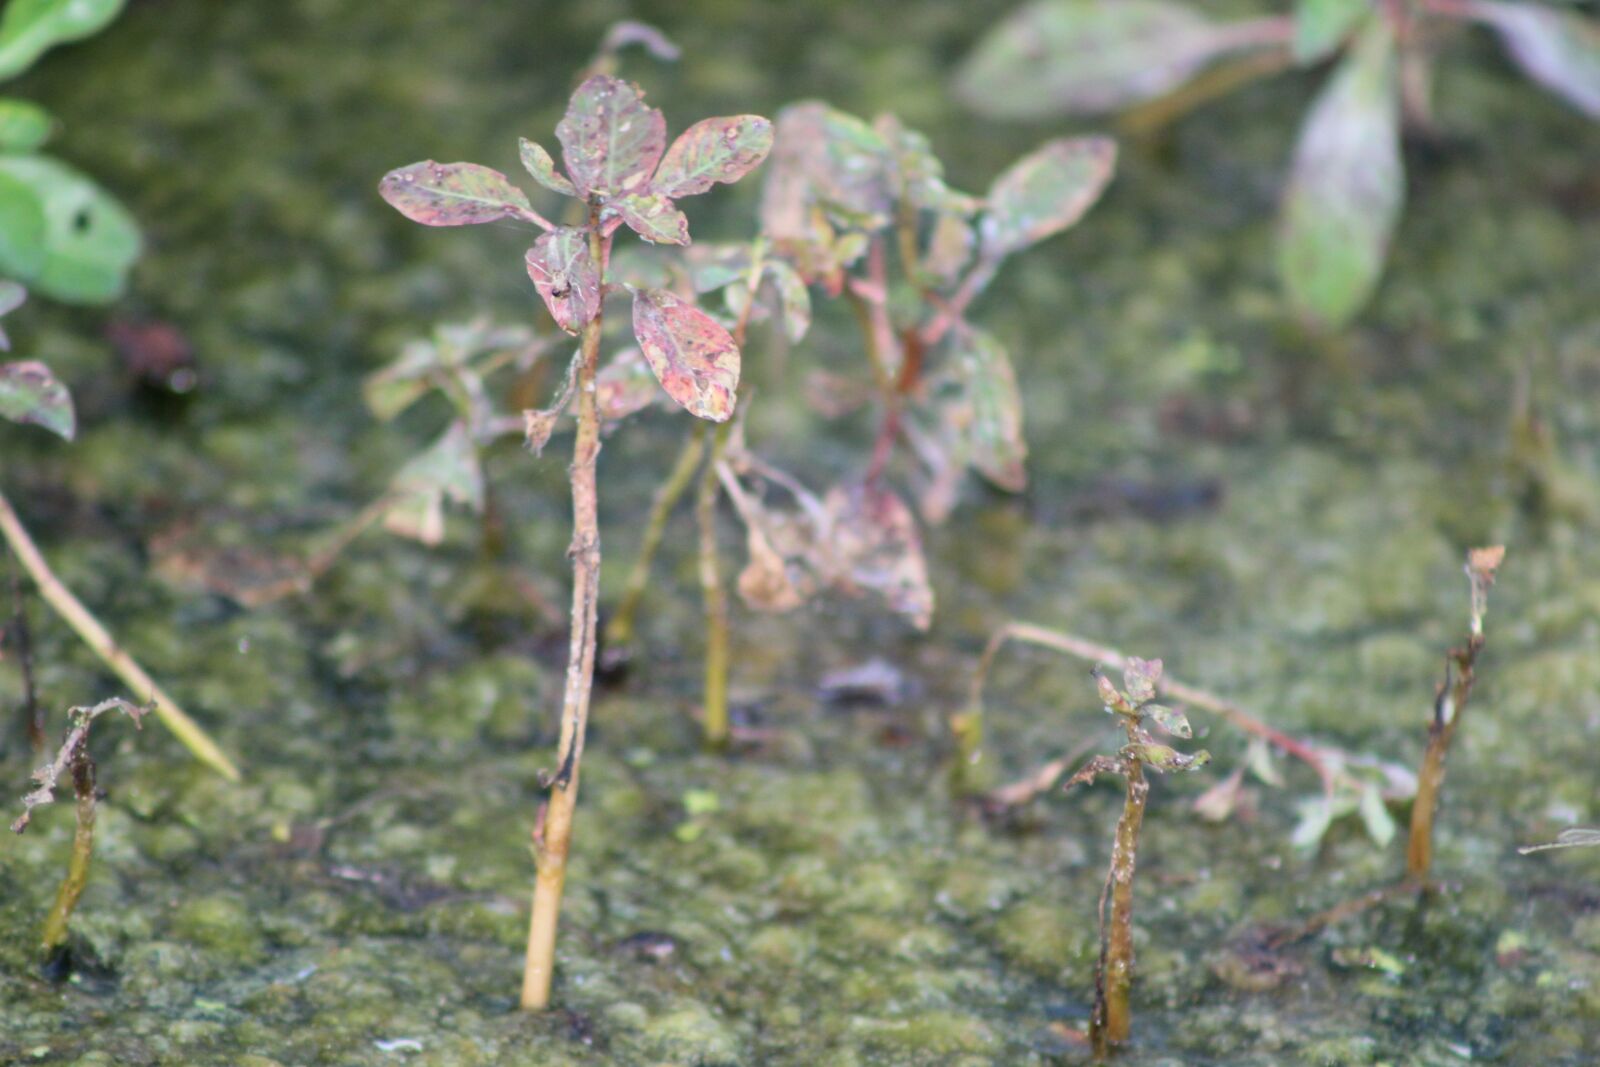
713	150
692	356
874	544
625	385
629	32
1345	186
449	470
31	395
452	194
566	276
1168	720
1140	679
994	437
1321	26
1218	803
1096	766
1045	192
1558	49
537	162
651	216
610	139
1084	57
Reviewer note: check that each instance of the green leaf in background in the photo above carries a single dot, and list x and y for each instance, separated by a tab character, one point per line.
90	240
449	470
1321	26
1085	57
30	27
822	157
1558	49
1045	192
31	395
11	297
714	150
538	163
24	126
994	436
22	229
1345	187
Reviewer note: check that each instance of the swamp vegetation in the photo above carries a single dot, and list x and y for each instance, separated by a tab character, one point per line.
1280	512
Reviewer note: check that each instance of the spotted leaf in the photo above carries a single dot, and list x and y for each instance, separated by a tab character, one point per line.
610	139
452	194
566	276
537	162
713	150
1045	192
692	356
994	436
651	216
30	394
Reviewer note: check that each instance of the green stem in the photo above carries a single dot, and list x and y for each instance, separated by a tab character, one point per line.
55	924
714	596
620	630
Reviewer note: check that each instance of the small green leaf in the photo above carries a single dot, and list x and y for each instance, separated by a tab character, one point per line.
1321	26
1345	186
701	802
610	140
1375	816
651	216
793	297
30	27
449	470
452	194
537	162
24	125
90	239
22	229
949	249
994	437
1045	192
1168	720
1164	758
1258	756
692	356
1140	678
31	395
402	383
713	150
1085	57
1558	49
565	273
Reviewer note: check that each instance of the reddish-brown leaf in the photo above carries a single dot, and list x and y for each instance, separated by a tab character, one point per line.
693	357
566	276
610	139
713	150
452	194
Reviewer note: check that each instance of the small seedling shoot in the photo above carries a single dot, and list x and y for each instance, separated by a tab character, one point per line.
1155	60
619	166
1449	701
1135	708
31	395
71	759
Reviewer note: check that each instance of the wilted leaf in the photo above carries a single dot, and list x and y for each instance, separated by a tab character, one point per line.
1217	803
452	194
828	160
651	216
1169	720
539	423
874	545
1345	186
694	358
24	125
1140	678
610	139
625	385
1375	816
566	276
994	437
1083	57
713	150
537	162
793	297
11	297
1558	49
449	470
29	27
90	240
31	395
1320	26
1045	192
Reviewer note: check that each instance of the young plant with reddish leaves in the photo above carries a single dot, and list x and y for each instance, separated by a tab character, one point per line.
1135	708
1157	59
619	165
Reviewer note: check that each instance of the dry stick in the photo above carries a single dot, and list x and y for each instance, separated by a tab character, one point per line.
971	725
1112	1020
59	597
553	845
619	631
1449	702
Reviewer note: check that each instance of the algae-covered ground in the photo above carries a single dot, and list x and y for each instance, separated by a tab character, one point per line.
1281	517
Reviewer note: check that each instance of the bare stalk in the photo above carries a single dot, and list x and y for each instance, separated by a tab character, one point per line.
715	598
1112	1021
551	847
54	936
71	609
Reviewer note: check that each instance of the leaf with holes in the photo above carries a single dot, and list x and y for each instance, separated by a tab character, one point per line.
1558	49
90	240
537	162
693	357
1345	186
651	216
1085	57
566	276
452	194
1045	192
28	28
31	395
449	470
994	436
715	150
610	139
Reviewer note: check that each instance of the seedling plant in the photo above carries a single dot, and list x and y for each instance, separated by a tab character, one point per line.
1342	199
619	166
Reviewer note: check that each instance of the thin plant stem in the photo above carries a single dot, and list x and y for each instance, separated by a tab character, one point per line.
1112	1020
22	640
969	724
71	609
54	935
1163	111
553	844
714	596
619	631
1449	703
